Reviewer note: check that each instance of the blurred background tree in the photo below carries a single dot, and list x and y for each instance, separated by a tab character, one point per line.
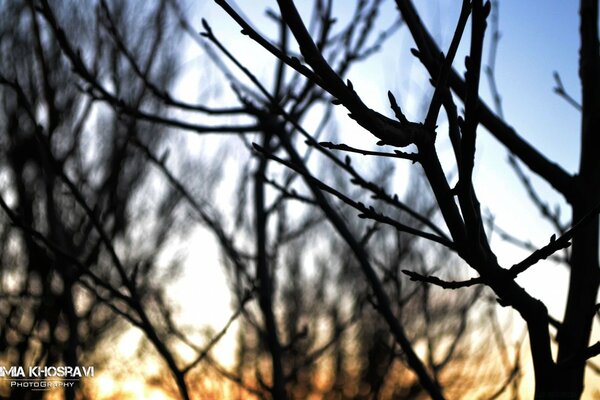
85	219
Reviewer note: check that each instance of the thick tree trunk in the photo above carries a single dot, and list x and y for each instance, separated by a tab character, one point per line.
265	281
574	335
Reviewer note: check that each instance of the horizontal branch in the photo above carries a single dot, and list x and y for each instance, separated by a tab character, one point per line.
416	277
122	107
396	154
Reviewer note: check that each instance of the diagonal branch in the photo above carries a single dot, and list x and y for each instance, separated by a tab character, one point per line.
428	54
365	212
555	244
384	304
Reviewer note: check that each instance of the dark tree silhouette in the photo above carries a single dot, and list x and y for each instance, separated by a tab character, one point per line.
81	235
70	206
285	351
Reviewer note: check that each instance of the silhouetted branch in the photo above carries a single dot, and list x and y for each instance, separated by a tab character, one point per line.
491	65
383	302
440	82
365	212
525	244
99	92
537	162
288	193
74	261
344	147
234	378
142	73
590	352
414	276
234	254
552	216
203	352
555	244
560	90
511	377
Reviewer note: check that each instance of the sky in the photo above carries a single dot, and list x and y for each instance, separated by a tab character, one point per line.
525	69
537	38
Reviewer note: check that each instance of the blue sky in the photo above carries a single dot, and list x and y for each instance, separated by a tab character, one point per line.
539	37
